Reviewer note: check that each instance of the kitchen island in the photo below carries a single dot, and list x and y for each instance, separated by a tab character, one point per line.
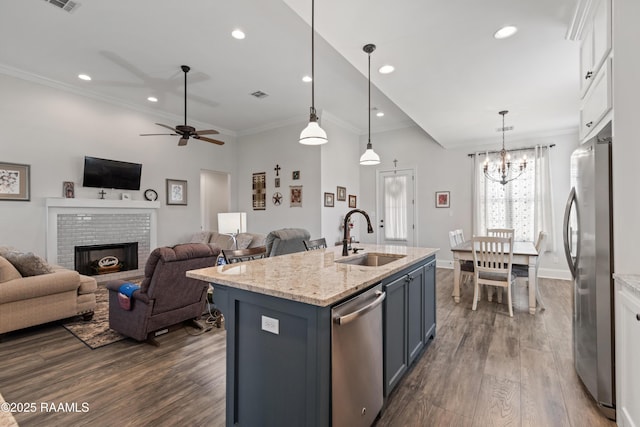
278	319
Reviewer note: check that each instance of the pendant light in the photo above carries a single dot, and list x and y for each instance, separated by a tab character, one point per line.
313	134
369	158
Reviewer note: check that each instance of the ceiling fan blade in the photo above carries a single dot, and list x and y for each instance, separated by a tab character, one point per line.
204	138
183	141
207	132
158	134
165	126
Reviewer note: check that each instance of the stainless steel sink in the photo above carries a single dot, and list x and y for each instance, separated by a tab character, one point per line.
371	259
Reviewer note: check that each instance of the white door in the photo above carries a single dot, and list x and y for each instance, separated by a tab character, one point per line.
396	207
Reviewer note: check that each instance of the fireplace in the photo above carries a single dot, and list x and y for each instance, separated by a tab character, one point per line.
93	260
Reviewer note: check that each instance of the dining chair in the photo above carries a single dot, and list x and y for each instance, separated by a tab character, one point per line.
232	256
315	244
492	257
522	271
456	237
500	232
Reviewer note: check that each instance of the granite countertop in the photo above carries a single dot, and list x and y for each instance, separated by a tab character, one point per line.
311	277
630	281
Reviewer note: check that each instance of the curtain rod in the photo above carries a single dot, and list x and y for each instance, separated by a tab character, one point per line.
509	151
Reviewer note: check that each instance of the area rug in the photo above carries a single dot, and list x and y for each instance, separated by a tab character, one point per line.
95	333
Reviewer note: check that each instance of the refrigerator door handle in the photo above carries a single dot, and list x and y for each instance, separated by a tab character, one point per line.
573	265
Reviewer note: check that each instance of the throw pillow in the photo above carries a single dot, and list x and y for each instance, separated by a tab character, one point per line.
201	237
28	264
243	241
7	271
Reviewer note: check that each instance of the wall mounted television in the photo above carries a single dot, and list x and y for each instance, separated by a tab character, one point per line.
104	173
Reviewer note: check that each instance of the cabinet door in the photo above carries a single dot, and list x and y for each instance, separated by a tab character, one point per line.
597	102
395	337
586	61
414	313
601	33
429	301
628	351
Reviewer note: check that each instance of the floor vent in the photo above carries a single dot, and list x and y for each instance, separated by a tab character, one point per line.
259	94
66	5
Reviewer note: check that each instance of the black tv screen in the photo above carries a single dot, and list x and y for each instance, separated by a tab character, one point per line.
103	173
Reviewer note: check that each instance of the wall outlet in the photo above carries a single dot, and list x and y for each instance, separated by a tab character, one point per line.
270	324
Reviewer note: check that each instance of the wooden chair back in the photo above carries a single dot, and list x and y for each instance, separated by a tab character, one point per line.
492	257
500	232
239	255
315	244
456	237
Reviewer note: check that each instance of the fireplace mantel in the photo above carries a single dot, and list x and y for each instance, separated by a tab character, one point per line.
59	202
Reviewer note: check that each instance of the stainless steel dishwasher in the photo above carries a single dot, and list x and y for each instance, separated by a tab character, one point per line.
356	359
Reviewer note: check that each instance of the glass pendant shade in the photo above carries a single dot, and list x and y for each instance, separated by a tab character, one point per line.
313	134
370	157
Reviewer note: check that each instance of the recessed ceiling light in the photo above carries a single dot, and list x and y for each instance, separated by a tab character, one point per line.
152	99
386	69
84	77
238	34
379	114
306	79
505	32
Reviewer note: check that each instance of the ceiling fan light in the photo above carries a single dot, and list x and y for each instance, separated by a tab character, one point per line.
313	134
369	157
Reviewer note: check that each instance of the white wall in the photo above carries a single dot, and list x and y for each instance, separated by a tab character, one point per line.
438	169
261	153
626	139
52	130
340	167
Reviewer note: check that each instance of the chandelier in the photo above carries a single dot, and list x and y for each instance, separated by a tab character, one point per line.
503	172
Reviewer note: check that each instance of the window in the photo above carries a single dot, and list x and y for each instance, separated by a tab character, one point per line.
511	205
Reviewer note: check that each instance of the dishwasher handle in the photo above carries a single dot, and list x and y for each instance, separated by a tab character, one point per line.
342	320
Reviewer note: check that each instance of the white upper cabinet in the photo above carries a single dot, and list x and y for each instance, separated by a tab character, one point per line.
596	43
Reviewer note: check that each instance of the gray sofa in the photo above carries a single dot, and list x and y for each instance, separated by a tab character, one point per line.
225	241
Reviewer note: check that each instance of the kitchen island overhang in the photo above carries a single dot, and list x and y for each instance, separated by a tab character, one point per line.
278	319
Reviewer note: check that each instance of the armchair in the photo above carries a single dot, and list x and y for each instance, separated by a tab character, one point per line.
166	295
286	241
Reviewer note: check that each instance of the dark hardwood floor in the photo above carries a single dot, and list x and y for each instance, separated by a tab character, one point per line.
484	368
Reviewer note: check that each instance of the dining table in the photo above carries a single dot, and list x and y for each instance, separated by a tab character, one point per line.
524	253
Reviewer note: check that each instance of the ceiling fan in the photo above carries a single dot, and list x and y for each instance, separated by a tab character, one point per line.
185	131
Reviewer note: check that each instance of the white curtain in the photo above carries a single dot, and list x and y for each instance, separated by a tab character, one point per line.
395	207
523	204
543	203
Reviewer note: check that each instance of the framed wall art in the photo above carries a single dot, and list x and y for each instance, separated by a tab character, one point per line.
68	190
328	200
341	193
296	196
15	182
259	197
352	201
176	192
442	199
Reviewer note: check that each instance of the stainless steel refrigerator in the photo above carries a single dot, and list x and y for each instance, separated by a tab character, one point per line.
588	243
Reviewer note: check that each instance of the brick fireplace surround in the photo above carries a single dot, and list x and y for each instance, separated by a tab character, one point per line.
79	222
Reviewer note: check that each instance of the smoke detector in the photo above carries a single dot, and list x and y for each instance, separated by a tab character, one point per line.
259	94
66	5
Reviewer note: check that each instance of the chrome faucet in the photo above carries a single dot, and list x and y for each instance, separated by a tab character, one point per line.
345	250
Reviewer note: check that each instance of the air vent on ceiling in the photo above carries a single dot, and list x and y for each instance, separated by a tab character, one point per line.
259	94
66	5
506	128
